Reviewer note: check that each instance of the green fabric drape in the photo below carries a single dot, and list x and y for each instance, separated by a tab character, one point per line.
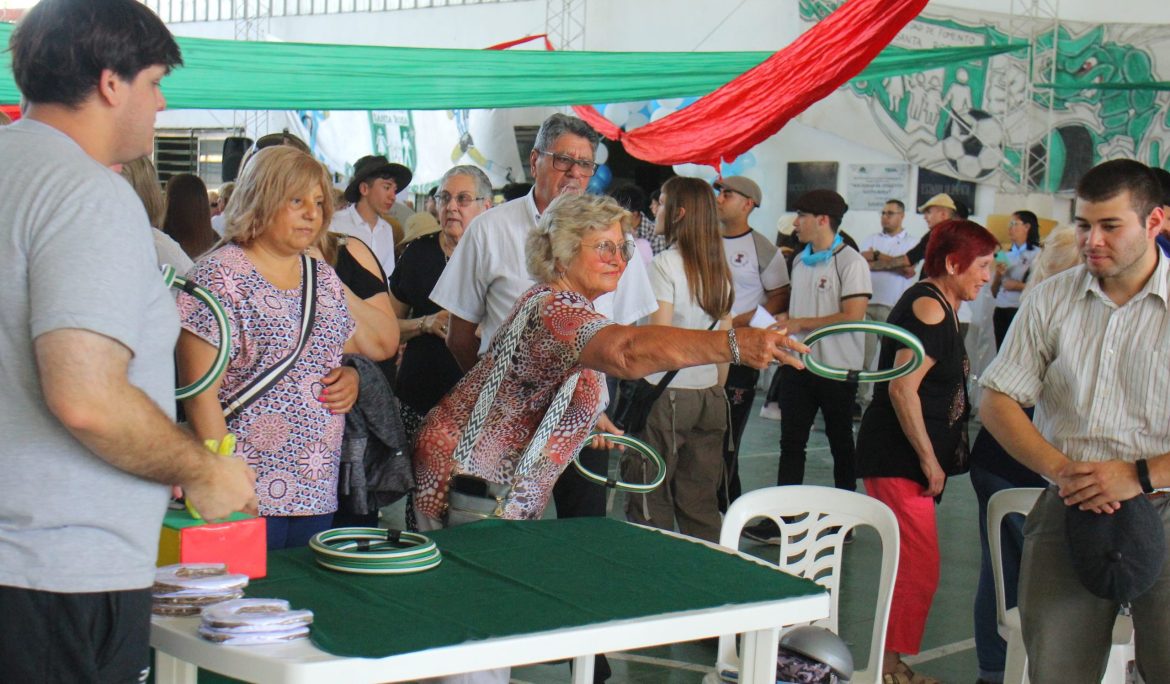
226	74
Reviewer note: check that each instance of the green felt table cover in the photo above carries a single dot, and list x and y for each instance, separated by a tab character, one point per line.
502	578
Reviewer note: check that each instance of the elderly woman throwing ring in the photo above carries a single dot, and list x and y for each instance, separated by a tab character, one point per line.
553	337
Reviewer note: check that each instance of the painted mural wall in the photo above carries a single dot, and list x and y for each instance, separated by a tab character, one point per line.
979	121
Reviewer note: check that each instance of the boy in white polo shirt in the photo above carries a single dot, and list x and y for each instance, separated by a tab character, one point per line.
830	284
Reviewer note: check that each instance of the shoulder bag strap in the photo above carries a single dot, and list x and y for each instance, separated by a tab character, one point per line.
665	381
249	393
509	339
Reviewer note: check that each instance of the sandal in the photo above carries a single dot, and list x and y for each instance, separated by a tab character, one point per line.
902	674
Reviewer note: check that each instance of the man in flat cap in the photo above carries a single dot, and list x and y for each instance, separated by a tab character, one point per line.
830	284
375	185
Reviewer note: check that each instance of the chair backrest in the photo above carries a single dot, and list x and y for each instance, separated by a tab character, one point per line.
1002	503
813	523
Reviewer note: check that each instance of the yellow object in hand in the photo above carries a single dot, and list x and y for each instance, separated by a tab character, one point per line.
222	447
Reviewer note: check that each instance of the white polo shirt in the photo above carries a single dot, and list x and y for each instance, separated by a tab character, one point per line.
380	239
749	282
818	290
488	272
888	286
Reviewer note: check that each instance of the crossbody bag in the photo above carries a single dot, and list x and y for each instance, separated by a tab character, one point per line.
249	393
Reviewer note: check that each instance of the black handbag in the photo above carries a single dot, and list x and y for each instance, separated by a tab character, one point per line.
637	397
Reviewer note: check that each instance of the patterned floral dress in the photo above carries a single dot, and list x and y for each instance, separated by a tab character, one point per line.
288	437
547	355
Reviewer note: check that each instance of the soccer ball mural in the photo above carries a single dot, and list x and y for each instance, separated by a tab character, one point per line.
972	145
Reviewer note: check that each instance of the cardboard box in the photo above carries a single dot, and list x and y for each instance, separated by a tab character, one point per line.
240	541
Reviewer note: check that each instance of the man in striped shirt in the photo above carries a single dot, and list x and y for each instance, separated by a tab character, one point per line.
1088	350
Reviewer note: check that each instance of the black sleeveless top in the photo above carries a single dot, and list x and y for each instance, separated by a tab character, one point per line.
883	450
355	276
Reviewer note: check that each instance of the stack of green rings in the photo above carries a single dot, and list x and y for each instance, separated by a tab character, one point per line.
638	446
170	279
374	551
873	327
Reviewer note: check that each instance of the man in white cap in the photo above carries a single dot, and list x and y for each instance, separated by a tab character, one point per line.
759	276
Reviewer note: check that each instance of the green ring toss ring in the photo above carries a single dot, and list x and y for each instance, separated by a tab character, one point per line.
170	279
871	327
640	447
374	551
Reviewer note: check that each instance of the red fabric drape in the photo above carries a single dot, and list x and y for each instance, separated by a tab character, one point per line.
13	111
749	109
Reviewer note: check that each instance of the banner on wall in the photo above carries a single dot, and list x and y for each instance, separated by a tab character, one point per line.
975	120
870	186
427	142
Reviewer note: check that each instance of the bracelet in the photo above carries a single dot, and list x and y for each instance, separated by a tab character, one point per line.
1143	473
422	323
734	345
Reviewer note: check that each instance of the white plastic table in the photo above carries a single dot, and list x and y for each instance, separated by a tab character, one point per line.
179	650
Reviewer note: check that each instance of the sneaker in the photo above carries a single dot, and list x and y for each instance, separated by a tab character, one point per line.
770	411
764	532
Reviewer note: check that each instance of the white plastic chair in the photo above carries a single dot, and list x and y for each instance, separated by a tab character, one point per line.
813	523
1021	500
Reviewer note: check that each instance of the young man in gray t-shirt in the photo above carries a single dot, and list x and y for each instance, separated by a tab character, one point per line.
87	333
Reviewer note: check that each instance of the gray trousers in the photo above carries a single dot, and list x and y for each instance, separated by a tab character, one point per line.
1067	630
686	427
880	313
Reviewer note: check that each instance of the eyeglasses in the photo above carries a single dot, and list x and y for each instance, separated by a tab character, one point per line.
606	249
463	199
563	162
892	213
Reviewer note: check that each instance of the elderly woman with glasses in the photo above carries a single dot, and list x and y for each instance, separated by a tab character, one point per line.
577	253
428	370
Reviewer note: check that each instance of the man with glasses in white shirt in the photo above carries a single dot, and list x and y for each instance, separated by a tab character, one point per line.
1087	349
888	284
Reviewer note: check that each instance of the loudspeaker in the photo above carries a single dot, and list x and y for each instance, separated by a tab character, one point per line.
233	153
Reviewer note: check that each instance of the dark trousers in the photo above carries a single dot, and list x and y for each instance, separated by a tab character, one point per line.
741	392
94	637
1001	320
801	395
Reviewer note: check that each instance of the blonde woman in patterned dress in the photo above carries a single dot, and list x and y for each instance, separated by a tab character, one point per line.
577	253
291	434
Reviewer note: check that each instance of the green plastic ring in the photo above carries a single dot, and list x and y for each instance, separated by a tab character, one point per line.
374	551
219	365
871	327
637	445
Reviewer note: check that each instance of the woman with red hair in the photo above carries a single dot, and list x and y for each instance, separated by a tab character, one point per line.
914	433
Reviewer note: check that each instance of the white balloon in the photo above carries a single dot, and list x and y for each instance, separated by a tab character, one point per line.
602	153
671	103
661	112
618	112
701	171
636	119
